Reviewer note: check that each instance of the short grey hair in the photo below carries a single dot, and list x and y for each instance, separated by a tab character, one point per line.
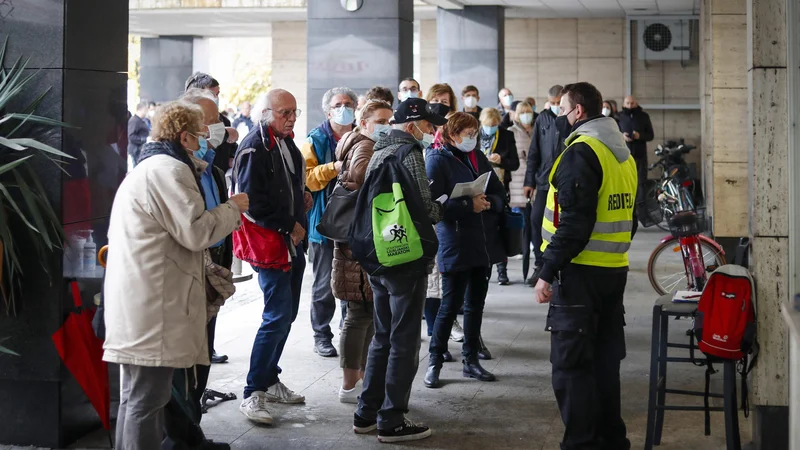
326	99
555	91
194	95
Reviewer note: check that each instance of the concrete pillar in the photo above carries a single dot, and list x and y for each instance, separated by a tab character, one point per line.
359	49
166	63
706	104
78	51
289	67
768	170
429	57
471	49
729	120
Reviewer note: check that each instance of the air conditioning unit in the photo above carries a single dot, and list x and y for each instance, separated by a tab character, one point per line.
664	39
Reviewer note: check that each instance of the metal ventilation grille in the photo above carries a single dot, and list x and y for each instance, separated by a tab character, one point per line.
657	37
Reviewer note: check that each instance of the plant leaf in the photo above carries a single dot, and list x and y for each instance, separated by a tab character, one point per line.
16	208
47	208
13	164
33	208
39	120
33	143
11	144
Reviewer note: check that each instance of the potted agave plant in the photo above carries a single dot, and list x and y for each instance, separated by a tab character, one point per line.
27	220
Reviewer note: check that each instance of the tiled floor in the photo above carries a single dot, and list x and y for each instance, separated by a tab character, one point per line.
516	412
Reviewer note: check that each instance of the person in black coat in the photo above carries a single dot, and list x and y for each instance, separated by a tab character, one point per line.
137	131
469	241
547	143
638	131
500	147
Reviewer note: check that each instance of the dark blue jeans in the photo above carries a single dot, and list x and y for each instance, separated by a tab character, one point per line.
281	302
394	352
468	288
431	311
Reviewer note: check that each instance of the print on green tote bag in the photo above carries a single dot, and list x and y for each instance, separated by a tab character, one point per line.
393	231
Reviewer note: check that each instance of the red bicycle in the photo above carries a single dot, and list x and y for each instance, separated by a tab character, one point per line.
683	260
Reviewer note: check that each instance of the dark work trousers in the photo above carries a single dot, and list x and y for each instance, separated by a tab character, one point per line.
468	288
394	352
431	311
537	217
641	170
323	303
587	343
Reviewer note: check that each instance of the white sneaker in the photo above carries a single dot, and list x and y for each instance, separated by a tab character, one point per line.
457	333
255	408
351	396
279	393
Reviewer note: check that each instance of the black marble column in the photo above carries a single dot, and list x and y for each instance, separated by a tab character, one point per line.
470	45
360	49
165	64
79	49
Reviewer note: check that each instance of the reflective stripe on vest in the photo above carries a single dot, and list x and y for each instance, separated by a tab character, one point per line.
611	236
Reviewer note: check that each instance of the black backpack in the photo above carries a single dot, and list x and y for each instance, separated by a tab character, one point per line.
392	232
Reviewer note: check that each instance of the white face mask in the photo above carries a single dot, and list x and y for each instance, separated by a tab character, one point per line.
405	95
606	112
508	100
470	102
526	118
216	134
555	108
427	139
467	144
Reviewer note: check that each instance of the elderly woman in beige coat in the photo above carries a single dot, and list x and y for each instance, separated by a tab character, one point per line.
155	297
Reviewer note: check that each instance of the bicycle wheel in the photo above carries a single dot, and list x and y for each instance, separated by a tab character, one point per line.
666	269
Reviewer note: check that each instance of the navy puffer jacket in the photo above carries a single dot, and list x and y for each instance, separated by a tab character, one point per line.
466	239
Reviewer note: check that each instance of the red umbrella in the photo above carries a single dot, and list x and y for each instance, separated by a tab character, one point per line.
82	353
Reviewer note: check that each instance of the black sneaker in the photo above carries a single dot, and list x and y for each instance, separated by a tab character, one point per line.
218	359
362	425
408	431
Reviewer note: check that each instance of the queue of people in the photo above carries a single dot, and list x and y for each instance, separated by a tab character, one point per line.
176	226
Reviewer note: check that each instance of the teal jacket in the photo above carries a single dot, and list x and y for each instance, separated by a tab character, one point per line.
322	148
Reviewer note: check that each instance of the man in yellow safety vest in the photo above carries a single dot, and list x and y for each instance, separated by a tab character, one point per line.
588	224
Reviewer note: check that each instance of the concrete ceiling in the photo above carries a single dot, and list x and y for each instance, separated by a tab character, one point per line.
253	21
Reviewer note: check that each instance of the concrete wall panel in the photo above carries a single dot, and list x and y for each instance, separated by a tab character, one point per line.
607	74
601	38
731	184
729	44
728	6
770	158
558	38
766	33
770	265
555	71
730	125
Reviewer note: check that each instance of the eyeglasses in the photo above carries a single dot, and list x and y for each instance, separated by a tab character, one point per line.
286	113
412	89
200	134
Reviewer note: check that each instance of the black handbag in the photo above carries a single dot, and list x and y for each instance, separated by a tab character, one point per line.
339	212
513	224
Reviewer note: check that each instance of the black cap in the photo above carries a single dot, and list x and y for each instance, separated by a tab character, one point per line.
414	109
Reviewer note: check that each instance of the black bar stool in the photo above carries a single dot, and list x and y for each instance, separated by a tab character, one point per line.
662	311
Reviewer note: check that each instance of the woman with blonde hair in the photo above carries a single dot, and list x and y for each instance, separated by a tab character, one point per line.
349	282
155	295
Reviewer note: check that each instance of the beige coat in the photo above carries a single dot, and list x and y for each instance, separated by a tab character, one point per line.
155	296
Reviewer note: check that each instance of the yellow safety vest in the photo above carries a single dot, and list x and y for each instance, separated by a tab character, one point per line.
611	237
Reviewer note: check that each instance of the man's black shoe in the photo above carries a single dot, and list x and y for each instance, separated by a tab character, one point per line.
362	425
447	357
502	278
218	359
432	376
208	444
484	352
325	349
408	431
473	369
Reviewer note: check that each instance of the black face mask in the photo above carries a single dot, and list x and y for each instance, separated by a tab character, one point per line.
627	110
440	109
562	124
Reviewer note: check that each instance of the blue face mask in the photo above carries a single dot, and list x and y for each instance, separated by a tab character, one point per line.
344	116
379	130
467	144
488	131
556	109
201	152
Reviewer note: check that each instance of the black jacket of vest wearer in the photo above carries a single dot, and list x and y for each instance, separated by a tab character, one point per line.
226	150
636	119
547	142
577	179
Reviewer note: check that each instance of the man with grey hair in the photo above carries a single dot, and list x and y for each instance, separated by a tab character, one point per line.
547	143
321	168
269	167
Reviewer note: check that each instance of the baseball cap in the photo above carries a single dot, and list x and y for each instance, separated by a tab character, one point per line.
413	109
